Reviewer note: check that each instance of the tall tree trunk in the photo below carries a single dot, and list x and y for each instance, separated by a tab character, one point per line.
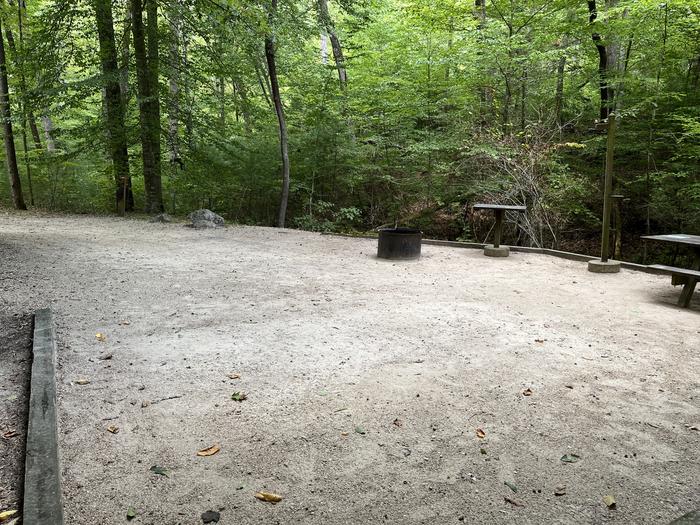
174	89
149	110
10	154
279	109
47	124
114	106
606	94
559	96
329	28
125	53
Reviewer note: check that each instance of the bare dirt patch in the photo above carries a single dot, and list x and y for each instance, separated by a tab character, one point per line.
367	382
15	369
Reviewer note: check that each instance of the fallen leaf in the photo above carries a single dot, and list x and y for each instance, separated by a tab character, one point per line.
10	434
82	381
113	429
145	403
513	501
7	514
483	451
560	490
161	471
398	422
480	433
210	517
239	396
268	496
100	337
527	392
124	323
511	486
570	458
570	387
609	501
130	513
693	428
105	357
344	434
360	430
540	341
233	376
210	451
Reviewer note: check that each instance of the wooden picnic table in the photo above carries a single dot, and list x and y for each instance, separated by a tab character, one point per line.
500	211
687	277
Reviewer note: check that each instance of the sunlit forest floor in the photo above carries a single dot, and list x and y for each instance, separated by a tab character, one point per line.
434	391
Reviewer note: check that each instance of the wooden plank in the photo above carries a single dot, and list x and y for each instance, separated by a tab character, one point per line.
505	207
676	238
42	477
695	274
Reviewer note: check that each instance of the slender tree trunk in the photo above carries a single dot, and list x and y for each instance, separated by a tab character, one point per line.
10	154
279	110
329	28
47	124
174	89
125	53
116	130
605	89
149	110
559	96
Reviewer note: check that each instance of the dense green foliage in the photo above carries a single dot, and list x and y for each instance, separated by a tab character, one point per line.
446	103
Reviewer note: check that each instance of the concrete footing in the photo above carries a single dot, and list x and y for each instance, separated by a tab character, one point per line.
42	477
598	266
491	251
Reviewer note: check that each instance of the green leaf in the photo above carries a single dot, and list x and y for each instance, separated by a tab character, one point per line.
360	430
161	471
511	486
570	458
130	513
239	396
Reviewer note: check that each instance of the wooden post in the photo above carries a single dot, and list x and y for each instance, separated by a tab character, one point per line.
499	228
609	158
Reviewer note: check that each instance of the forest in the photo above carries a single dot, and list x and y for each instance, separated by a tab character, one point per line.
347	115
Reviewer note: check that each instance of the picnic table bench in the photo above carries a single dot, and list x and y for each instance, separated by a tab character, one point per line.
688	277
495	249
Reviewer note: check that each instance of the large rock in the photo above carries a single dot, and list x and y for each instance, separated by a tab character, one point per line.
161	217
206	219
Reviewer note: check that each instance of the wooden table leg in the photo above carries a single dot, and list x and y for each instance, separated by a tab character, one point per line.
689	283
499	228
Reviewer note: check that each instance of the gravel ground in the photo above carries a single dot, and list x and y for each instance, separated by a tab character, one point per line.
15	367
376	392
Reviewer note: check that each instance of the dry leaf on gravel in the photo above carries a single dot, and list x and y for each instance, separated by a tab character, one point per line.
398	422
6	515
113	429
480	433
105	357
209	451
161	471
10	434
100	337
268	496
233	376
609	501
560	490
527	392
124	323
145	403
513	501
570	458
82	381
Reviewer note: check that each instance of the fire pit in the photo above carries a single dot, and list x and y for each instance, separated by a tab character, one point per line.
399	243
